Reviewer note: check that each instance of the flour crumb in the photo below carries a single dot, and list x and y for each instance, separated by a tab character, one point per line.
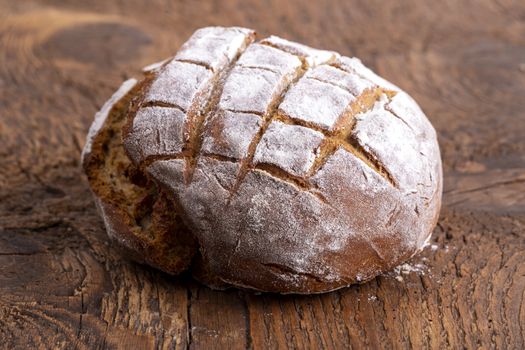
406	268
372	298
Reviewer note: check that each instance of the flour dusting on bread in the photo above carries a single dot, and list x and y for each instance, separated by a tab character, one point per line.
297	170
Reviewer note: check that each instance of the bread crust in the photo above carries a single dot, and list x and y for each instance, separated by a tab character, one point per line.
295	170
164	242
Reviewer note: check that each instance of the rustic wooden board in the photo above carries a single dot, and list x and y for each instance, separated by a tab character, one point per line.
63	286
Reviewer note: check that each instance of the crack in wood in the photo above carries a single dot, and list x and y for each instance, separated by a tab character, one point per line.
189	330
488	186
82	312
23	253
248	326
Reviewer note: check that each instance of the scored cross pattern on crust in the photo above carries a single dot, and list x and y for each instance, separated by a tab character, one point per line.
264	92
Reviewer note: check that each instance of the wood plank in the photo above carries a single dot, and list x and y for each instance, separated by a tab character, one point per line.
62	285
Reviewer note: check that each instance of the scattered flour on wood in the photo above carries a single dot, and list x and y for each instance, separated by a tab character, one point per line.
409	268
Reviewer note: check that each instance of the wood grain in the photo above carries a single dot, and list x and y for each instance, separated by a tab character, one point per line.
63	286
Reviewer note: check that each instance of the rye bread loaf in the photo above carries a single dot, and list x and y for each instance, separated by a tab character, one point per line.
267	165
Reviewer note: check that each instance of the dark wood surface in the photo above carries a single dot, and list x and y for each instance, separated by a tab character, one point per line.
63	286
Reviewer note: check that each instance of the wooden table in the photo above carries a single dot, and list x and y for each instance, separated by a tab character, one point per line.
63	286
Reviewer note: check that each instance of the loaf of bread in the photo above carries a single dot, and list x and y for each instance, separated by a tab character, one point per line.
266	165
